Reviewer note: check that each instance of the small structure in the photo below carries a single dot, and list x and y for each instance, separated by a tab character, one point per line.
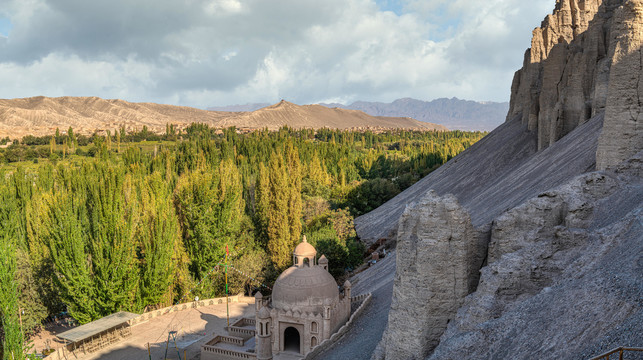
306	307
97	334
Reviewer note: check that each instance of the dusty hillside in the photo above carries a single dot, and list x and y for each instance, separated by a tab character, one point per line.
317	116
456	114
502	251
453	113
42	115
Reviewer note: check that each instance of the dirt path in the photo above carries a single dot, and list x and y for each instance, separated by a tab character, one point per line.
366	331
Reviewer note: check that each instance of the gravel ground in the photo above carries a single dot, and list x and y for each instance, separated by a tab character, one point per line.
366	331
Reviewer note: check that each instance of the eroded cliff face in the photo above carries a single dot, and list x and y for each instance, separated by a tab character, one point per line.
565	73
438	257
623	130
564	275
583	60
558	280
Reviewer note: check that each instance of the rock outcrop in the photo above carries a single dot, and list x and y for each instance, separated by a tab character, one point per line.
565	75
623	131
438	257
585	59
562	276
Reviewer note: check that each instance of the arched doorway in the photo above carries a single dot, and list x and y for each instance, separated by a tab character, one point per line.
292	340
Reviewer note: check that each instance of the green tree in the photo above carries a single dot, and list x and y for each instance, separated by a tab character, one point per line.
13	340
158	239
210	210
91	239
278	230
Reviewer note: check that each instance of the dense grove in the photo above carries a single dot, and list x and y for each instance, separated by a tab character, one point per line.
132	221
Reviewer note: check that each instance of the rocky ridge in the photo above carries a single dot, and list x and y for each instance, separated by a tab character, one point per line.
42	115
552	201
456	114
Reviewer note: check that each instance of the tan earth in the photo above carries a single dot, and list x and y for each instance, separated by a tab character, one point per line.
194	328
42	115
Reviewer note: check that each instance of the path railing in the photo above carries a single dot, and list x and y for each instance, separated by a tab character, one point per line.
620	351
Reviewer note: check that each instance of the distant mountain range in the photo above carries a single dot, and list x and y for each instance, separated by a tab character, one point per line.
455	114
42	115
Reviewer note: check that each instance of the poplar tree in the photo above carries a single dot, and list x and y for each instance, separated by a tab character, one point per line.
68	244
294	195
262	208
91	240
277	215
13	339
157	237
210	209
112	212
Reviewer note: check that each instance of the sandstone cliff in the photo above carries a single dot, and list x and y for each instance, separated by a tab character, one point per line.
431	233
562	275
585	59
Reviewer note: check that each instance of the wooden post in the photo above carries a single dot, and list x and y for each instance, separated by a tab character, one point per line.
20	317
227	309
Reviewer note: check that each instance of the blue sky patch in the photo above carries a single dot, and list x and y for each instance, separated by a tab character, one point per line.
391	5
5	26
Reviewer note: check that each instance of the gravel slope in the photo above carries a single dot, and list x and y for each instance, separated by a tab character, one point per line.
366	331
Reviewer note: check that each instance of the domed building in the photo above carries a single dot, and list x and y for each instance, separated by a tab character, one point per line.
306	306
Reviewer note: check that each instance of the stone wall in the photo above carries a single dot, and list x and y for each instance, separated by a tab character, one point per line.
210	351
341	312
189	305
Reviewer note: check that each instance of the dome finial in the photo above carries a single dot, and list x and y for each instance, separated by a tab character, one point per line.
304	239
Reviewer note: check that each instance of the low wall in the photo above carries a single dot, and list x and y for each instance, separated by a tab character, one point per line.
210	351
214	353
190	305
226	339
241	332
360	297
326	344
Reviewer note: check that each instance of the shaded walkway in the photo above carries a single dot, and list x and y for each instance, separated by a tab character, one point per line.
366	331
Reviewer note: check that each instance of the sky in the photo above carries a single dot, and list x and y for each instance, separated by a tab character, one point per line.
221	52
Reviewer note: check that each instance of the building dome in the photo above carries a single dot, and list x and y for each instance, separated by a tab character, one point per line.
306	289
264	313
304	249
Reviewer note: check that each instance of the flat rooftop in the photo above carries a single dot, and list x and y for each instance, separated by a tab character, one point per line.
96	327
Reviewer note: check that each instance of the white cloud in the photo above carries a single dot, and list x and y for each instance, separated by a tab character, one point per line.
217	52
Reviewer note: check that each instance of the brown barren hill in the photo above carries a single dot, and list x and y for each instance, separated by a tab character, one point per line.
42	115
317	116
